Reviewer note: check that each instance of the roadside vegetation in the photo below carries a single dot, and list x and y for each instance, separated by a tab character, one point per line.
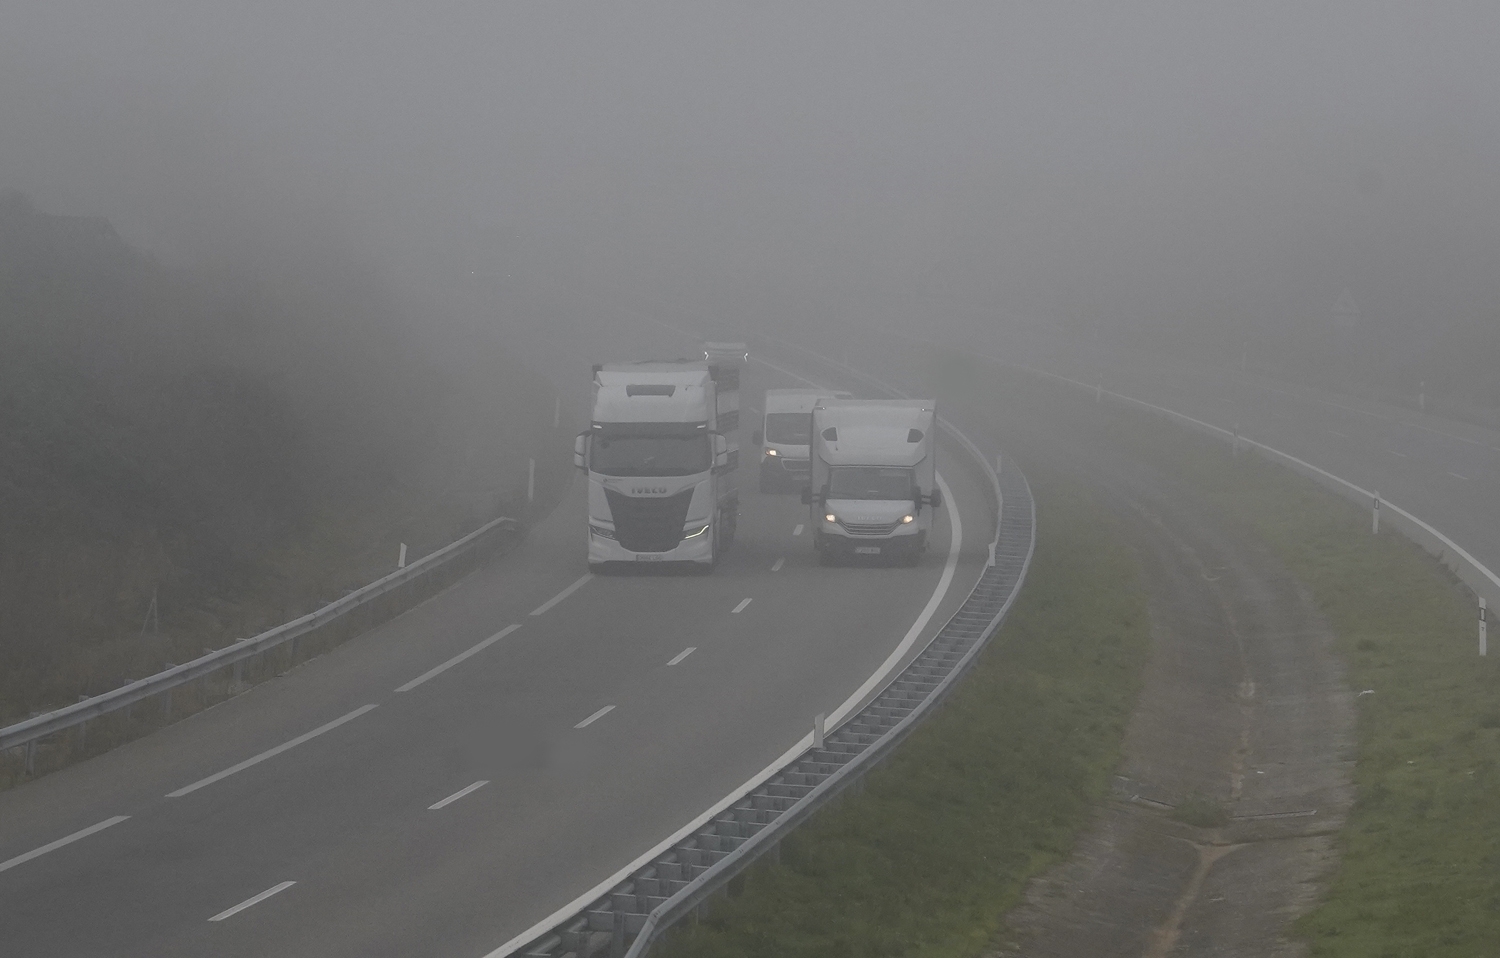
1419	871
990	791
188	457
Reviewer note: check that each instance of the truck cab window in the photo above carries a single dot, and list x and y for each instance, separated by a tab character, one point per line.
870	482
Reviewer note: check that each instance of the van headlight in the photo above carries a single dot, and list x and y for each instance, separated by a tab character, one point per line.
772	452
908	518
830	517
695	532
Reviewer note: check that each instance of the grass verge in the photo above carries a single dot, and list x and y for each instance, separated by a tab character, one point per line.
1420	855
991	790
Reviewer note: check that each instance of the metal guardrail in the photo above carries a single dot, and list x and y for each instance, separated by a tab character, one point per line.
27	733
1475	574
638	910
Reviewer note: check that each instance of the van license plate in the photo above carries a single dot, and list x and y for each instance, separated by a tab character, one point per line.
867	550
648	558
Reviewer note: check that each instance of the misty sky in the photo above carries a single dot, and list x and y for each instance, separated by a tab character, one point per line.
1111	160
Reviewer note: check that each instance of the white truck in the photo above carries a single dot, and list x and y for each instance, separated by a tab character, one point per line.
873	487
786	435
659	455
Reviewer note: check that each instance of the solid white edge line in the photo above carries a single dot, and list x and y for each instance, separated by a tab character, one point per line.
739	608
65	840
439	670
802	745
1457	476
683	654
458	794
272	752
274	889
595	717
797	531
776	567
563	594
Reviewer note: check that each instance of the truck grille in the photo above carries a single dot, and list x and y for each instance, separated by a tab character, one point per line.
869	528
645	524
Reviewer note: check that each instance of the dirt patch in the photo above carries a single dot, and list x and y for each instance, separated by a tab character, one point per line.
1238	758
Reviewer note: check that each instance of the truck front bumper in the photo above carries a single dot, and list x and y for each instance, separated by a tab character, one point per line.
699	549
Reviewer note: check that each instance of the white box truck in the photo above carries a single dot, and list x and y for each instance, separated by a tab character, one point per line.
786	435
873	487
659	463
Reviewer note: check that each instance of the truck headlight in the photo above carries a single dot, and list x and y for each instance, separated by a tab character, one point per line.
772	452
907	518
601	532
695	533
830	517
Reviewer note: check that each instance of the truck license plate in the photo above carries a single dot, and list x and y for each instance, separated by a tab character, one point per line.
867	550
648	558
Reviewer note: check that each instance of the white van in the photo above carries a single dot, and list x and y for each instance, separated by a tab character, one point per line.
785	437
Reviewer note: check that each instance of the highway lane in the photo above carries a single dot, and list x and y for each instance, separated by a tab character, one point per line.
1445	472
346	815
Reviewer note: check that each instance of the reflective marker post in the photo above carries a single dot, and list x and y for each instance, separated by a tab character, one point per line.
1483	629
1375	516
530	479
401	559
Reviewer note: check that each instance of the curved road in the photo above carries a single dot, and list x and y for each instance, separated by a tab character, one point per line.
339	810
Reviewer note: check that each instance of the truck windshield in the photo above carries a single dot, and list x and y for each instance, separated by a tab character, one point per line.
869	482
650	455
789	428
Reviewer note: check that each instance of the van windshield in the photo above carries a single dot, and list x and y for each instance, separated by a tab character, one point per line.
789	428
869	482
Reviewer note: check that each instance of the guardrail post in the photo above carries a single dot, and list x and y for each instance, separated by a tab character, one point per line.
239	672
31	757
1483	629
617	935
1375	516
818	731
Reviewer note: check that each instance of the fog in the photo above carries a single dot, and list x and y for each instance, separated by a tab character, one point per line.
1197	173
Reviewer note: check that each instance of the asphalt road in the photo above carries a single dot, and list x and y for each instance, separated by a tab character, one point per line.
1442	471
369	811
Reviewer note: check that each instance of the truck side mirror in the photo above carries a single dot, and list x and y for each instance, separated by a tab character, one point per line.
721	452
807	494
579	448
757	437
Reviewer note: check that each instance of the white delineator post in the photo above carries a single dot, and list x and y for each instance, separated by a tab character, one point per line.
1483	630
530	479
1375	516
401	559
1099	393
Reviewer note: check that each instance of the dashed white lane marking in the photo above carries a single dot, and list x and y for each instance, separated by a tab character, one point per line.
797	531
458	794
271	753
777	566
563	594
683	654
66	840
1457	476
740	607
256	900
595	717
1395	453
458	658
1341	435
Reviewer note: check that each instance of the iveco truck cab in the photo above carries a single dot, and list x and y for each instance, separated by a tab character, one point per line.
873	484
659	463
786	435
